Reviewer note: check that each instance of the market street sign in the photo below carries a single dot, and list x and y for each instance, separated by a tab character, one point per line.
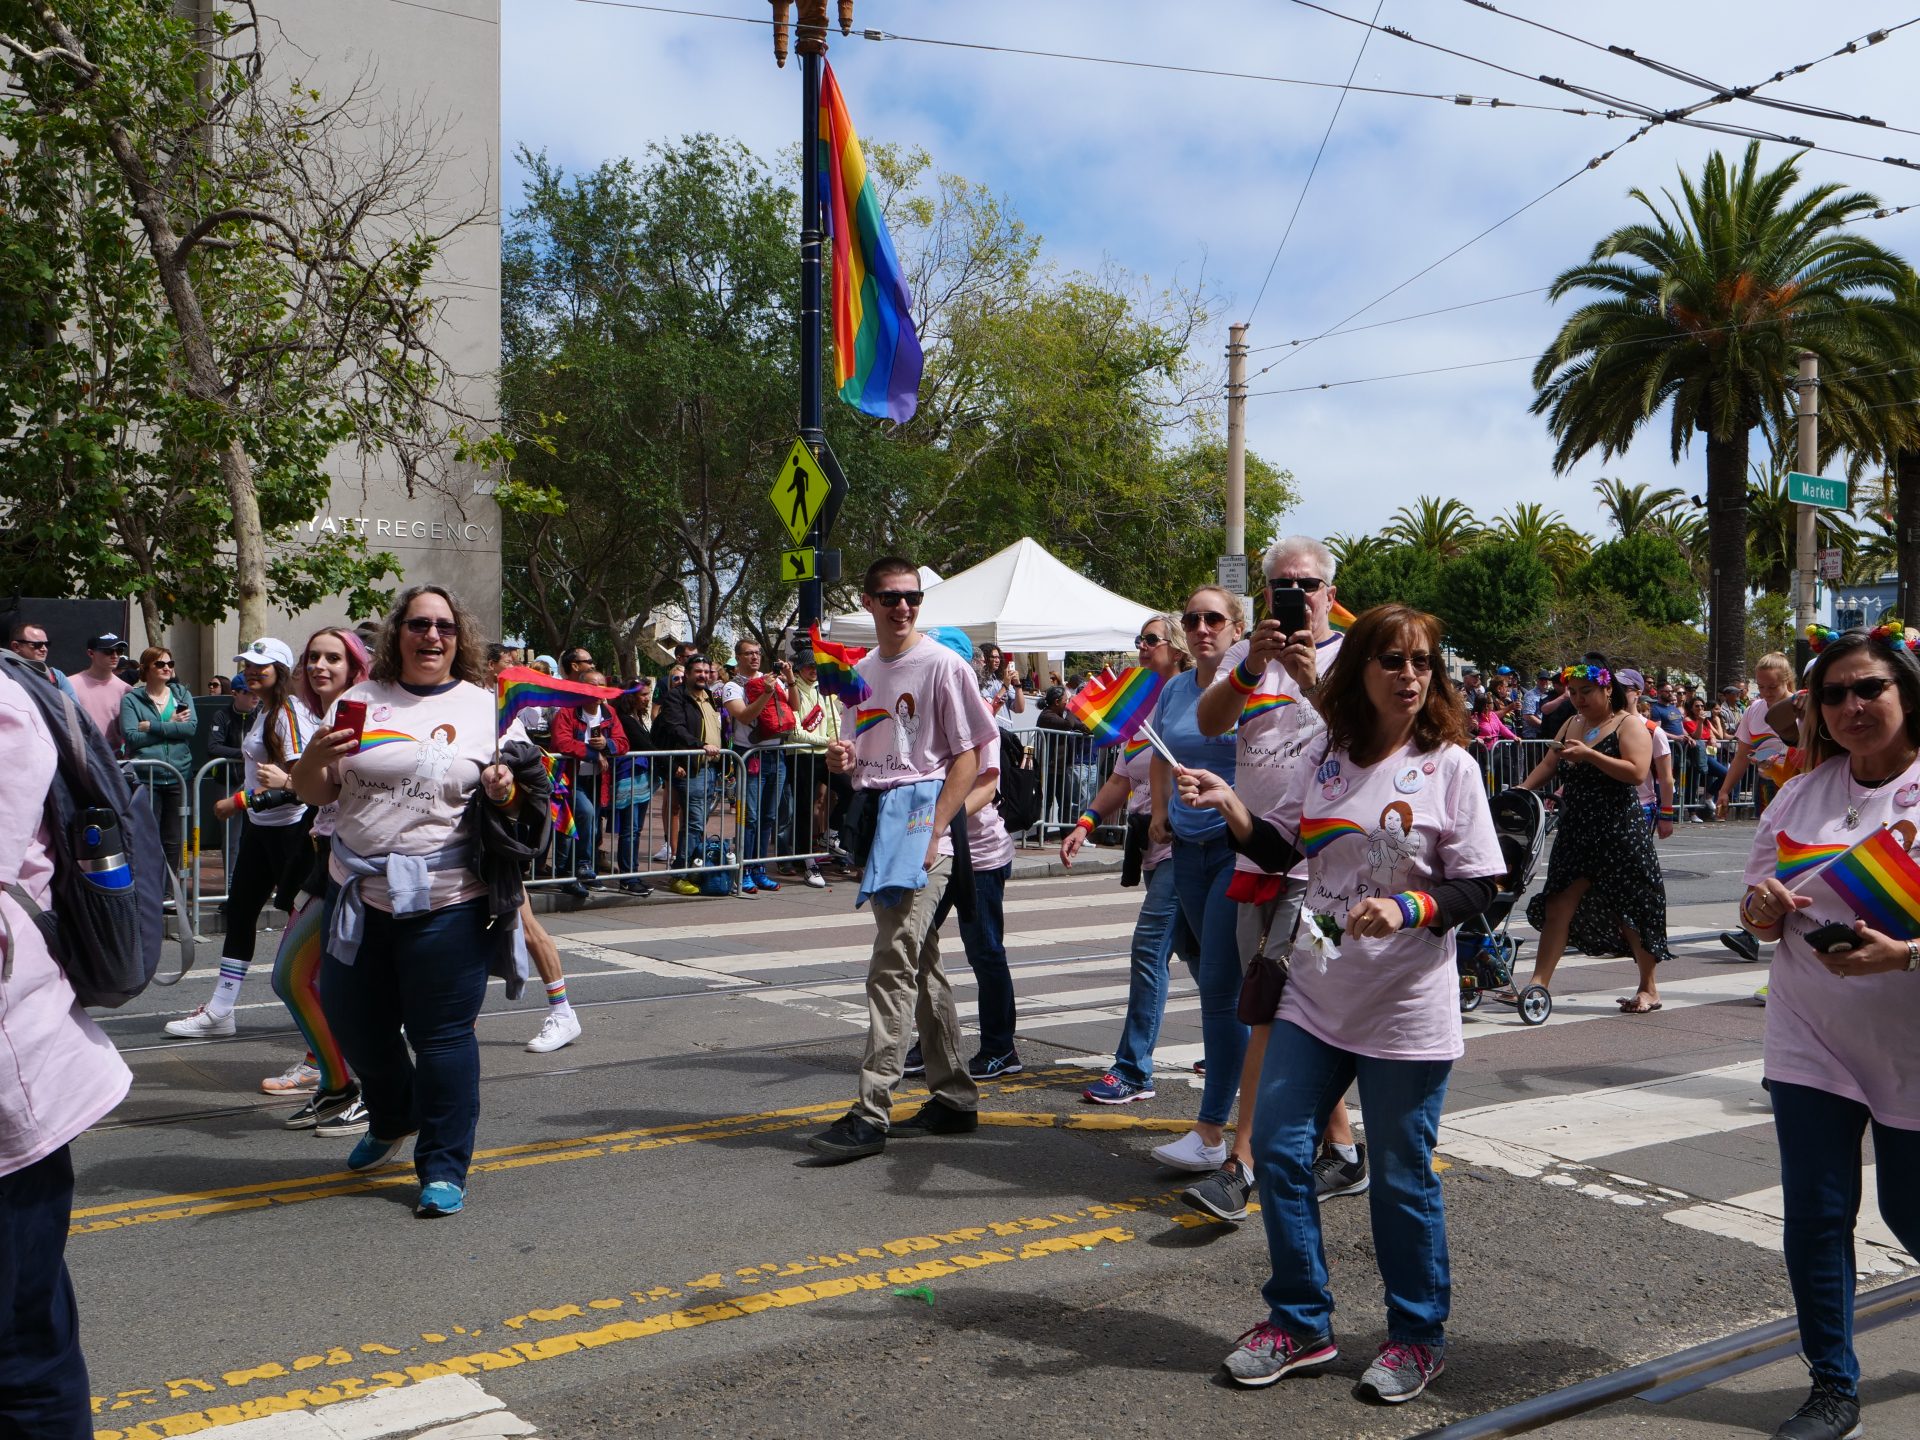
1816	490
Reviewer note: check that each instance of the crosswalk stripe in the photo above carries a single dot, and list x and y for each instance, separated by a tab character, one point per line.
1756	1217
1592	1123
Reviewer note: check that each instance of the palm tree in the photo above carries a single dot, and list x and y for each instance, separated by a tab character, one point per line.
1705	306
1631	507
1547	534
1442	528
1351	549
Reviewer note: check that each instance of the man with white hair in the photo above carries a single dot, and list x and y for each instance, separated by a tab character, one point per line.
1271	664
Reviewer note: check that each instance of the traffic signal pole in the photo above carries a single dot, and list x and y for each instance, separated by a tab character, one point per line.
813	50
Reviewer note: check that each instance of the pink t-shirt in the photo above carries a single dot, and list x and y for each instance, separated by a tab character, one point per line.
1136	766
1851	1035
405	790
1269	742
101	700
924	711
988	844
1661	746
1406	823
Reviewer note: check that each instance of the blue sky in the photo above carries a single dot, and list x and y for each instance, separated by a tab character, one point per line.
1189	177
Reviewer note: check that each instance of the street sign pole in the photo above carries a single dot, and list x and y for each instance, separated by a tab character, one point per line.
1805	542
813	48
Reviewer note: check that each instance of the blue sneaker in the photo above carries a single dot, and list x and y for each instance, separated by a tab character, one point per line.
1111	1089
763	880
746	885
442	1197
370	1150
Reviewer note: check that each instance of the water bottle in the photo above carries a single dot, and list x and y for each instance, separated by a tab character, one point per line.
103	860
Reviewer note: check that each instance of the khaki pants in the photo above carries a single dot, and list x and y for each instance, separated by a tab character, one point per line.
905	987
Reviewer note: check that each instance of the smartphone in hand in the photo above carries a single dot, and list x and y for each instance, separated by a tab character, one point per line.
351	715
1290	608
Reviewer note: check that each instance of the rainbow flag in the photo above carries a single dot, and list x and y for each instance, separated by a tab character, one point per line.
1317	834
1880	883
1113	707
1339	618
520	687
838	678
1258	705
1792	859
560	802
865	720
876	354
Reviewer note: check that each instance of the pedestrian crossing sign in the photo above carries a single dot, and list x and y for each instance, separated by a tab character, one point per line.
796	564
798	493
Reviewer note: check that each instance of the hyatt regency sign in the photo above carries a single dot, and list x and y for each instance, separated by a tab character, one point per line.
435	532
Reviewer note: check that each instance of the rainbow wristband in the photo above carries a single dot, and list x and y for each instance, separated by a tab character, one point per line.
1243	680
1667	815
1087	821
1417	909
513	793
240	799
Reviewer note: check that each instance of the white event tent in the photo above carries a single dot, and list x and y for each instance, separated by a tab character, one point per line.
1021	599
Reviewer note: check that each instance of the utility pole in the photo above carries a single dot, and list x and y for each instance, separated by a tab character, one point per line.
1237	441
1806	545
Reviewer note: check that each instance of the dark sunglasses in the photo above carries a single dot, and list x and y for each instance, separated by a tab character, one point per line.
163	665
1194	619
887	599
421	625
1398	660
1869	689
1307	584
30	644
1148	642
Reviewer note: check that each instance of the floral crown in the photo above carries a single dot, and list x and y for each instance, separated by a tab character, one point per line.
1890	632
1598	674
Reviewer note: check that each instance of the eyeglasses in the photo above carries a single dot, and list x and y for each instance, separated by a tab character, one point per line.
422	625
1194	619
1306	583
887	599
1149	642
29	644
1394	661
163	664
1869	689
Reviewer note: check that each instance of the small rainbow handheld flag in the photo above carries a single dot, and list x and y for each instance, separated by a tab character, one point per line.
1792	859
1880	883
838	678
560	802
1114	707
1258	705
865	720
521	687
1339	618
1317	833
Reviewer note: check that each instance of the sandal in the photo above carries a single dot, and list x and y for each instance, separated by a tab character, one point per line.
1633	1005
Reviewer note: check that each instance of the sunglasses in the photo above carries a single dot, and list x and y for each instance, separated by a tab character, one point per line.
1869	689
1149	642
887	599
29	644
1194	619
421	625
1307	584
1394	661
163	665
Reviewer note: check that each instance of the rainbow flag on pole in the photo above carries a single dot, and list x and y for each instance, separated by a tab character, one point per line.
1792	859
1113	707
560	801
1880	883
838	678
876	354
1339	618
520	687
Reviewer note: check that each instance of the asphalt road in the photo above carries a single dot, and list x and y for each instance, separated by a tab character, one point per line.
649	1247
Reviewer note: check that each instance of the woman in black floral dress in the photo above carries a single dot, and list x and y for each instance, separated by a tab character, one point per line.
1604	888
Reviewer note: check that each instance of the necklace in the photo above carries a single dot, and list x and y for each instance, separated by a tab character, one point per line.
1852	817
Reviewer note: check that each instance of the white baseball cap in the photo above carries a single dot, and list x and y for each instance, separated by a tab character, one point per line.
266	651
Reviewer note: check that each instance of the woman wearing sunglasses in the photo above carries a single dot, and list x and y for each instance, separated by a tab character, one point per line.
1604	886
1202	869
408	942
1390	814
1845	1001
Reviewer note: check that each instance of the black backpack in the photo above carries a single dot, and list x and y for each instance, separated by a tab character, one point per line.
1019	797
110	875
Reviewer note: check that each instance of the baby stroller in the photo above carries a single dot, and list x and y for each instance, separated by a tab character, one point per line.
1484	950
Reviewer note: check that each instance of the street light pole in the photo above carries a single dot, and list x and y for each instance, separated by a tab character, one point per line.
1237	442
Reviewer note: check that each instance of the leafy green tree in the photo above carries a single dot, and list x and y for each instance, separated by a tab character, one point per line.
1494	600
1395	574
1648	572
1702	309
1547	534
1770	624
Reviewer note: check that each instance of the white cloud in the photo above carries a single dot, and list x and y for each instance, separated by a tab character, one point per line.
1162	173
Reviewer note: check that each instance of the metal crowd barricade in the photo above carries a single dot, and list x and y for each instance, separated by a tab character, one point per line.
1071	771
796	836
673	803
214	779
167	796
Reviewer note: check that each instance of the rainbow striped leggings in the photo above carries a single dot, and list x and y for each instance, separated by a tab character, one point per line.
296	980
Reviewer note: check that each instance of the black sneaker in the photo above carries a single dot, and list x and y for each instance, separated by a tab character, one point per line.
1827	1415
914	1064
1741	943
1222	1194
936	1117
849	1138
995	1067
1333	1177
324	1105
636	887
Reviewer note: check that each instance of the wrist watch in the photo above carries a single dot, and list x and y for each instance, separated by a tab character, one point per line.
1913	954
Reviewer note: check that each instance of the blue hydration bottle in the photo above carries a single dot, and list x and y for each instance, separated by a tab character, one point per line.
103	859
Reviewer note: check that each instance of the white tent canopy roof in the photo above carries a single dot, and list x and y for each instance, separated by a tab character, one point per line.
1020	599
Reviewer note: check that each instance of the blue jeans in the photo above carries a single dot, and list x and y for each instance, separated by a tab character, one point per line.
692	795
1156	935
631	823
43	1376
1819	1135
984	937
427	976
1301	1080
760	834
1201	871
581	854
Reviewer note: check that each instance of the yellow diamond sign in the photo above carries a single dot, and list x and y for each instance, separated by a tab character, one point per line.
799	491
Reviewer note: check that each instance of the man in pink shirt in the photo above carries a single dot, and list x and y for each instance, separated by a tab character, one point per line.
98	689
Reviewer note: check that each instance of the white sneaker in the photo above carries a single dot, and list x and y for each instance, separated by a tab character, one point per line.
663	856
298	1078
561	1027
202	1024
815	880
1190	1152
